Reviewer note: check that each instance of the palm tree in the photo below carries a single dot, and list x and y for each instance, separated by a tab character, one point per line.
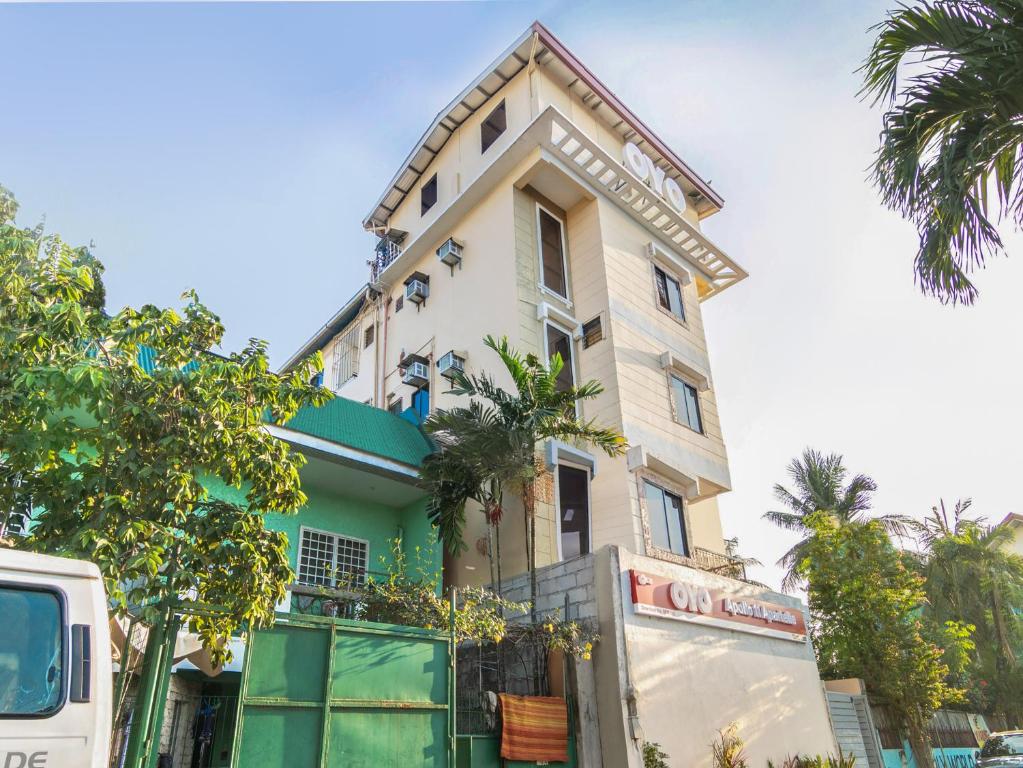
819	486
953	133
491	445
973	577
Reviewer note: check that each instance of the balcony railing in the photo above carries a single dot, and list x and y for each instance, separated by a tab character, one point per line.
388	249
716	562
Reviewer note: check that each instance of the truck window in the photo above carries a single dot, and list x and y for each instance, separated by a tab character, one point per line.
31	652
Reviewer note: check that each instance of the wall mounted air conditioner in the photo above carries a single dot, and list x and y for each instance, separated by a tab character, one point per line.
450	253
449	364
416	374
416	291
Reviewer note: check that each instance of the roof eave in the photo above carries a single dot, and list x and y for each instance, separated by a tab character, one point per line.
328	329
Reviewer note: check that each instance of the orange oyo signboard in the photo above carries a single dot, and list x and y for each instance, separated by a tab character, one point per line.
684	601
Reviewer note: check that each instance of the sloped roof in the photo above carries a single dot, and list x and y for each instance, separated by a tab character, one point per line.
364	428
540	43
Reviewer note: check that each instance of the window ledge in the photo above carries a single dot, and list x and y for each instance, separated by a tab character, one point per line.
666	260
557	450
672	362
547	311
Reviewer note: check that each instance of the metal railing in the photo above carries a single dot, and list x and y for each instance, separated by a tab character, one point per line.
386	252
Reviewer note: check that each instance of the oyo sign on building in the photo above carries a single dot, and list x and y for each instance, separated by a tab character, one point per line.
683	601
645	170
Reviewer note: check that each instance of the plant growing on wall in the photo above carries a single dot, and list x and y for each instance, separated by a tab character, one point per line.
117	457
654	756
496	437
866	622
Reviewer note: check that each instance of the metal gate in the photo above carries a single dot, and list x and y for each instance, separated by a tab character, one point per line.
325	693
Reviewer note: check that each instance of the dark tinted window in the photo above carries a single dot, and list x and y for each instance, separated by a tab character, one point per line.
687	403
664	513
493	127
593	332
370	333
552	253
574	506
1003	746
31	652
428	194
561	343
669	293
395	407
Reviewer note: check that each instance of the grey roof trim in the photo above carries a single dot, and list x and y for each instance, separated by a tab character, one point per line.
328	330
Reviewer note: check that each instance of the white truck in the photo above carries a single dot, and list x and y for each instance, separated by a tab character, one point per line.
55	664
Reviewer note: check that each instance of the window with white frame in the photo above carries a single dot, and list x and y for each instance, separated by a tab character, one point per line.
327	559
346	356
685	401
560	342
551	238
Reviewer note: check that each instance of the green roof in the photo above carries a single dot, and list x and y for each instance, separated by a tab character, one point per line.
364	428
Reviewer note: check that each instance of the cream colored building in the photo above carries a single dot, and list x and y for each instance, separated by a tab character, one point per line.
537	206
561	247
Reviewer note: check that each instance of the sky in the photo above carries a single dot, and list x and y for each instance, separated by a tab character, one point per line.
235	149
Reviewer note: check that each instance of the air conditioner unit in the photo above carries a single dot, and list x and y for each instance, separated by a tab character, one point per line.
450	363
416	374
451	252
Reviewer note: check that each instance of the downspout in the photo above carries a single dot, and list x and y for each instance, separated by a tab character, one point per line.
381	383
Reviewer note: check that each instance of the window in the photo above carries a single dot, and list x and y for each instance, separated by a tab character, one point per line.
665	516
394	406
669	293
326	559
593	332
552	252
428	195
686	403
493	127
573	511
368	335
561	343
398	304
31	652
346	357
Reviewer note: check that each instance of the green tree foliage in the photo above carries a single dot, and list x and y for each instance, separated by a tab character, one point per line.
819	485
118	460
974	580
865	615
953	134
490	445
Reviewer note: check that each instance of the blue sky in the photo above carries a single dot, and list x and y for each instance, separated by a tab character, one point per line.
235	149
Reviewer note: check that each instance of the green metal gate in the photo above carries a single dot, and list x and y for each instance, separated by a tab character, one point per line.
325	693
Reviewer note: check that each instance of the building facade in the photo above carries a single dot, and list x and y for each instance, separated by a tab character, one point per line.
538	207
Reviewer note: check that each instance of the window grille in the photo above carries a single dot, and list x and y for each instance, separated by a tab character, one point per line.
346	357
328	560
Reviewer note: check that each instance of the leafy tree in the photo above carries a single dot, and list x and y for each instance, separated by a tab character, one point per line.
973	578
160	473
953	133
819	485
490	446
865	619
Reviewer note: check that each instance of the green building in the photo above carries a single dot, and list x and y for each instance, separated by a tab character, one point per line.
362	480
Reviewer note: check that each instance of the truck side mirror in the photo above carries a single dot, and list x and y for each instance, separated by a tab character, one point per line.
81	663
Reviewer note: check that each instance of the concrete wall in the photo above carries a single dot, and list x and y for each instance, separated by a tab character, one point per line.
692	680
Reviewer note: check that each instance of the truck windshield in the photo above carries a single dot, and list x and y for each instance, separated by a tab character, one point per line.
31	652
1003	746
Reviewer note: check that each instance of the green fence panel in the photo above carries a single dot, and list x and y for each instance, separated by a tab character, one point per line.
327	693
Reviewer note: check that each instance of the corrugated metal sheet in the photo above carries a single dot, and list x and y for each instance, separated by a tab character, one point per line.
850	718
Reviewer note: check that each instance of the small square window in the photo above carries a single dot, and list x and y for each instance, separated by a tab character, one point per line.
493	127
428	195
394	406
399	303
369	334
328	560
593	332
